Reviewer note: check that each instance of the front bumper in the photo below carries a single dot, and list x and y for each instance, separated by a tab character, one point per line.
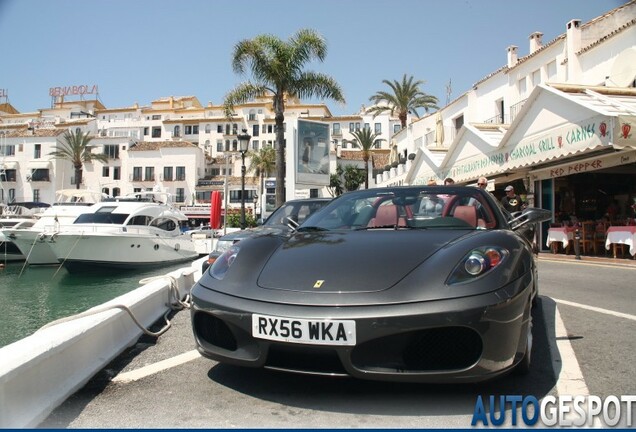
468	339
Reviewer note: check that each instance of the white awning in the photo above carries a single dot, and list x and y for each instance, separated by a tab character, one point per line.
40	164
9	165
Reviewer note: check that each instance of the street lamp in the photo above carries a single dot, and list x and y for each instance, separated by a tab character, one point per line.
244	142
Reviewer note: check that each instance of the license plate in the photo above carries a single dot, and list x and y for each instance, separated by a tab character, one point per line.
296	330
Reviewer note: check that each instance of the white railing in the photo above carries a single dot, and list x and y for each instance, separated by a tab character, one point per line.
41	371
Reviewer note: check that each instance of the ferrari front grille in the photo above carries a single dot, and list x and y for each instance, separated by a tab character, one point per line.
437	349
214	331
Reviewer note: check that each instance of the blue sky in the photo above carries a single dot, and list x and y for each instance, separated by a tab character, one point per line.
141	50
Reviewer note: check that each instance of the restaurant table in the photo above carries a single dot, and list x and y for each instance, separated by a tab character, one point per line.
621	235
562	235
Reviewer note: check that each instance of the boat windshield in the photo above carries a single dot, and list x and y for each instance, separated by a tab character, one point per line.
102	217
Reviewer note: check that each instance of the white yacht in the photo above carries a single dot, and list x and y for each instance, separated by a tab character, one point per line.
14	216
130	232
30	240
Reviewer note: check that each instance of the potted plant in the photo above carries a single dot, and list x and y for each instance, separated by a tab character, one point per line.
411	156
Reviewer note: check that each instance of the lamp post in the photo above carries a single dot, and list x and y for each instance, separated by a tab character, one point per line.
244	142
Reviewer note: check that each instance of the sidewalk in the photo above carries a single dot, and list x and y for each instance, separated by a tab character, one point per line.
627	261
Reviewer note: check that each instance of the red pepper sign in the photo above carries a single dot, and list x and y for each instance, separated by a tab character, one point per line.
603	128
625	129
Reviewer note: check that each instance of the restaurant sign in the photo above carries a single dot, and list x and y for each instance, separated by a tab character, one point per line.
559	142
198	210
585	165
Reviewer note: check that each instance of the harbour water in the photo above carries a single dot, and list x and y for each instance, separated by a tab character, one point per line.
34	296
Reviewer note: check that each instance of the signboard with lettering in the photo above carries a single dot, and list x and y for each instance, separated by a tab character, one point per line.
73	90
585	165
557	143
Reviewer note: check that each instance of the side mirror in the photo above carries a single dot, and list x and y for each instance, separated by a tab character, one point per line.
529	216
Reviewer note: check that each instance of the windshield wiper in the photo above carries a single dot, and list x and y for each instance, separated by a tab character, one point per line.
394	226
311	229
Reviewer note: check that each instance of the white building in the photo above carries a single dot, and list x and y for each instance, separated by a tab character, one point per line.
545	122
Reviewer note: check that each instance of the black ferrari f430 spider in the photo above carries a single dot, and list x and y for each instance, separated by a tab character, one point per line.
415	283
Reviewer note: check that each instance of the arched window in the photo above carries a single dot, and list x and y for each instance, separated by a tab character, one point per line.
106	191
116	192
208	128
177	131
235	145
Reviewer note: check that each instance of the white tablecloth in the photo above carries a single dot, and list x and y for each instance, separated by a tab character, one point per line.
562	235
622	235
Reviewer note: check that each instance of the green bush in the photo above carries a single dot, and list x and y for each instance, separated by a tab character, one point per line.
234	220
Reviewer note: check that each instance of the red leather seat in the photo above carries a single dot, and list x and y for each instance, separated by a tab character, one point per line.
386	215
466	213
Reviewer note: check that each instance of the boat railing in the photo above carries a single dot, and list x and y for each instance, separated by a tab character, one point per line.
110	229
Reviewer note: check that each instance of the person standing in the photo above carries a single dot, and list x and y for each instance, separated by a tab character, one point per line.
511	201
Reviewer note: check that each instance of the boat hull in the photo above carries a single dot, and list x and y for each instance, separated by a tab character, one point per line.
34	247
83	251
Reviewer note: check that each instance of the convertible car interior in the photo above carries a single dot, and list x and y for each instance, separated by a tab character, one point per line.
459	208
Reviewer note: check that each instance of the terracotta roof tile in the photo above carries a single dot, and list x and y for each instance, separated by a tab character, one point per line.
40	133
156	145
380	158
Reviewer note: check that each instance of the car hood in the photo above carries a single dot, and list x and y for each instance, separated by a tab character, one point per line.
251	232
351	262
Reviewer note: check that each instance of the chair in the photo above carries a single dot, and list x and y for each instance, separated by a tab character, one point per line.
386	215
600	234
588	236
466	213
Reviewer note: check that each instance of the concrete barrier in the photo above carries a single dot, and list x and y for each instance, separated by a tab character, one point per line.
41	371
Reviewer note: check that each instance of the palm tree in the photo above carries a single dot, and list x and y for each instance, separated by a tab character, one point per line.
277	69
262	163
405	98
76	150
365	139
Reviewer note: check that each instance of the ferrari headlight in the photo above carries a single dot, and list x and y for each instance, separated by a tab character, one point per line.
477	263
224	262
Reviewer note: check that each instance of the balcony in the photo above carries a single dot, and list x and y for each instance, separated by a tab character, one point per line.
498	119
515	109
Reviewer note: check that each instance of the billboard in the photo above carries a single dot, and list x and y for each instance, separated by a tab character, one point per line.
312	153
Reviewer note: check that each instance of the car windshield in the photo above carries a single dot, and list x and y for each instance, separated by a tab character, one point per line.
294	212
436	207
